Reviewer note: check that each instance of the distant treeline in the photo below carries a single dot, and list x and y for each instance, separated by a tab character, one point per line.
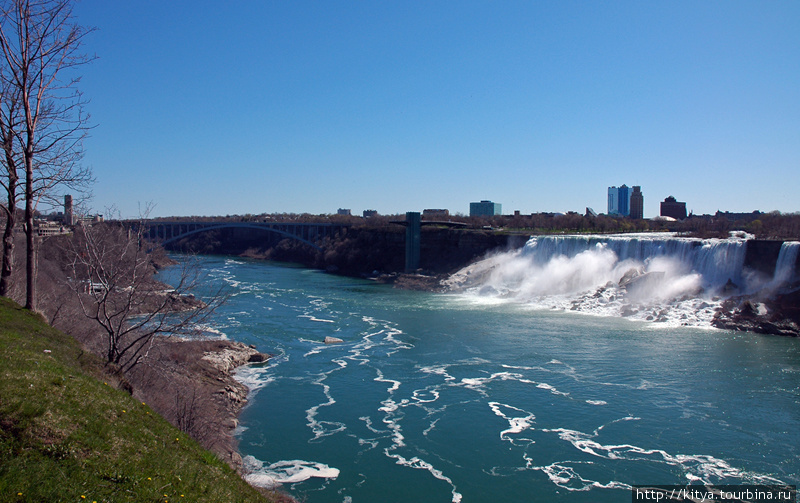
773	225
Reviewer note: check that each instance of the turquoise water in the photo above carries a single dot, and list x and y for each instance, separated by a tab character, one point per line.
434	397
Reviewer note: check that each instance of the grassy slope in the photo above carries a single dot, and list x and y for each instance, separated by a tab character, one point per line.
67	436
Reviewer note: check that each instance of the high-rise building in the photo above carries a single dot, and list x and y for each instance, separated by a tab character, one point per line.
613	201
619	200
69	219
485	209
637	203
673	208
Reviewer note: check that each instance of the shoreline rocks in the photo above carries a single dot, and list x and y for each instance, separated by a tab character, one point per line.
234	355
778	315
191	383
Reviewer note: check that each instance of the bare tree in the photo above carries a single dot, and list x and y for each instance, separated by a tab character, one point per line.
10	119
41	47
112	276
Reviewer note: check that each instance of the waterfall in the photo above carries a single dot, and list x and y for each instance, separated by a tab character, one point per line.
785	266
651	276
716	260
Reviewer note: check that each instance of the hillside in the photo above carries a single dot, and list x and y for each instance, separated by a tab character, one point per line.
67	435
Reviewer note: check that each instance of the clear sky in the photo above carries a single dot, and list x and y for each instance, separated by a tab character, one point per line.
213	108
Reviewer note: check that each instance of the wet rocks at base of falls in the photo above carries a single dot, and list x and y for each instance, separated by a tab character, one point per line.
776	316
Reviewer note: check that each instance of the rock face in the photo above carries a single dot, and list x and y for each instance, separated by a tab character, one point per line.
191	384
762	254
635	284
258	358
362	251
234	355
776	316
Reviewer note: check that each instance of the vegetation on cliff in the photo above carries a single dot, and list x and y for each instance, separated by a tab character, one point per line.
66	434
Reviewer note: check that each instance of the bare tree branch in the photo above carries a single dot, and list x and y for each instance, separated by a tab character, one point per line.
41	46
112	277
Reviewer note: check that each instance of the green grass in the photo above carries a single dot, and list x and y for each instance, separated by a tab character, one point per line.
65	435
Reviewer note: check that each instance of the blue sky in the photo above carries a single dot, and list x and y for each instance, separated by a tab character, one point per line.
215	108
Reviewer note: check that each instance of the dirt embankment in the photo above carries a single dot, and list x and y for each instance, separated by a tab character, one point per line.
189	382
192	384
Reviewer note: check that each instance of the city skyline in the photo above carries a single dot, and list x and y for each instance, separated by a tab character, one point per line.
203	109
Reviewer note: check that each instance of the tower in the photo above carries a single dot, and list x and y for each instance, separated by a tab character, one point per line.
413	223
68	218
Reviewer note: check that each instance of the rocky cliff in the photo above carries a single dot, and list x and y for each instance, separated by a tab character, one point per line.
361	251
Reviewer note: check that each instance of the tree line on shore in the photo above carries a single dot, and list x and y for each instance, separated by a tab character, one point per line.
772	225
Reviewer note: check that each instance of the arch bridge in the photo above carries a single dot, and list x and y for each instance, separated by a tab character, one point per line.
167	232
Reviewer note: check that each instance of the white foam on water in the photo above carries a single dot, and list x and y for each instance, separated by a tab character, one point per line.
419	395
479	383
390	407
207	331
552	389
325	428
567	478
566	474
596	402
285	472
391	332
697	467
380	378
254	378
440	370
430	427
313	318
368	423
359	352
517	367
517	424
420	464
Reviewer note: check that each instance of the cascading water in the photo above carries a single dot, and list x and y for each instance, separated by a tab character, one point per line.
653	277
785	266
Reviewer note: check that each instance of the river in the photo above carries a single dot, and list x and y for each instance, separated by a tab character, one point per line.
457	397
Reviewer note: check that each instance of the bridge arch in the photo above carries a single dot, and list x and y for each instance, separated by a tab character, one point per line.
197	228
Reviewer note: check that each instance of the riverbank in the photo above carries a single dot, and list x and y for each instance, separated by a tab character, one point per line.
67	433
189	383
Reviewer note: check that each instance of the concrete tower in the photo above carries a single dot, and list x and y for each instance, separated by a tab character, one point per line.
69	219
